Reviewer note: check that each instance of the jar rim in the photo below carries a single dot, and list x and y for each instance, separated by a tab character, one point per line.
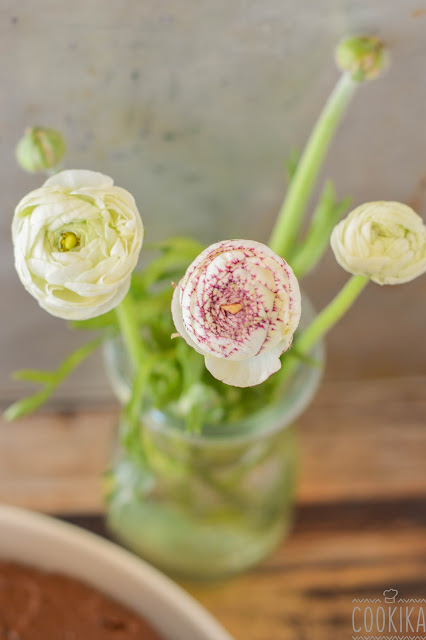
264	422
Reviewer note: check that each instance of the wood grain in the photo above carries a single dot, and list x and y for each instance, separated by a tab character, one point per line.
337	552
305	591
360	525
365	439
53	462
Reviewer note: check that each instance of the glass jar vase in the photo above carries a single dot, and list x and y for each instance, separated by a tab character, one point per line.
210	504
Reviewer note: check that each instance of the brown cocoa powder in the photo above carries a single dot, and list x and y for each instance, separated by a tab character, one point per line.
48	606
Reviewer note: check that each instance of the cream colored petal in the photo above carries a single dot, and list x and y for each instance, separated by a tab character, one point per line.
79	178
178	320
245	373
84	309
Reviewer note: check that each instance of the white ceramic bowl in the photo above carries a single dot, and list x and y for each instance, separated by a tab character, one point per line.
46	543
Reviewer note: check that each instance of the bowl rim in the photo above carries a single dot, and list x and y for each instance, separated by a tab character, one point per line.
45	542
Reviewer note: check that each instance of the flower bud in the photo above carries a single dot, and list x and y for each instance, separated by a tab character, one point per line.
40	149
364	58
383	241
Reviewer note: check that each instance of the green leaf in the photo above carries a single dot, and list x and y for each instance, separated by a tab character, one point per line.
292	163
34	375
191	362
150	308
26	405
327	213
294	352
165	381
131	426
165	266
179	245
75	358
100	322
175	256
50	379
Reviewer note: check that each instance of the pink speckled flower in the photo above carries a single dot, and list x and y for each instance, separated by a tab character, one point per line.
238	305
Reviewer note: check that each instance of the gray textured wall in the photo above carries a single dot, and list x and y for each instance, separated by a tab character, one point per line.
193	106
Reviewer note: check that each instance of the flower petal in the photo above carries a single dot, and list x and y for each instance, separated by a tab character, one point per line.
85	308
79	178
245	373
178	320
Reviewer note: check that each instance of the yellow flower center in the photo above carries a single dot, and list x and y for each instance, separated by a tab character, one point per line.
68	241
233	308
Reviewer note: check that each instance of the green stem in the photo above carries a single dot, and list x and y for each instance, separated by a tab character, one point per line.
140	381
325	320
142	367
290	216
131	435
130	330
317	239
332	313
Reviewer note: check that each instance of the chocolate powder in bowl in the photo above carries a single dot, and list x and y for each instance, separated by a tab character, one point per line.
35	605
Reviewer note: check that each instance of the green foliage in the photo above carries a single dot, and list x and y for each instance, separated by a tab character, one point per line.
328	212
49	379
100	322
173	377
175	256
292	163
177	381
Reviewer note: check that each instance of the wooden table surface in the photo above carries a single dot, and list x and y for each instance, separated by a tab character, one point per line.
360	522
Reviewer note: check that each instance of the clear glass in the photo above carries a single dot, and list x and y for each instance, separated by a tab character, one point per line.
212	504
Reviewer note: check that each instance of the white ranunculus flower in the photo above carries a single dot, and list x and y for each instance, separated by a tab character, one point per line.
77	240
238	304
383	241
